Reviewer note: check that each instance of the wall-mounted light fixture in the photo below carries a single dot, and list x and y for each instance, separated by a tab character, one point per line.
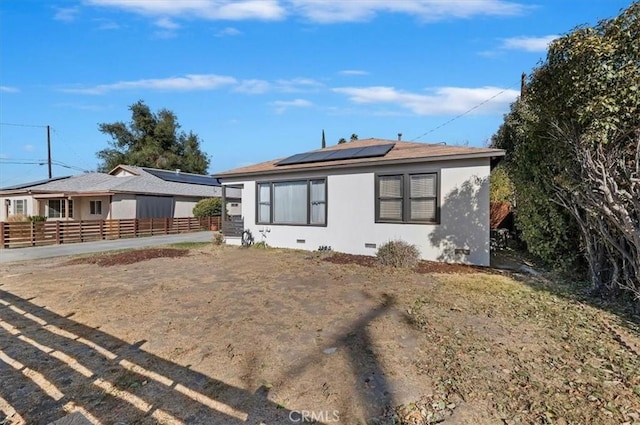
7	202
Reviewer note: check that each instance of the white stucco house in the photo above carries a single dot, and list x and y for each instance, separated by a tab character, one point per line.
356	196
125	192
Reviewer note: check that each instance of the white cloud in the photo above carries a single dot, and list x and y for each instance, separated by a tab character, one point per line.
29	148
8	89
253	86
296	85
167	24
66	14
320	11
353	72
282	105
439	101
188	82
206	9
528	44
228	32
323	11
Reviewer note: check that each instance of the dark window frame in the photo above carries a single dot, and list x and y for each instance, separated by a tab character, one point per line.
405	187
307	181
95	207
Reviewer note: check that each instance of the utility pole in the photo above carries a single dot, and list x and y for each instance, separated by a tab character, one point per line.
49	150
523	85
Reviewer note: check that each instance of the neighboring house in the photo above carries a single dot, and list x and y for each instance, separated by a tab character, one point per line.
356	196
126	192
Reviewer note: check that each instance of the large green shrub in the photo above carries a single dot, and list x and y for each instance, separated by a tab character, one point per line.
398	254
209	207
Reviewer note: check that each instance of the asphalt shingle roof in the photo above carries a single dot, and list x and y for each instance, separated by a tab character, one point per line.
142	182
401	151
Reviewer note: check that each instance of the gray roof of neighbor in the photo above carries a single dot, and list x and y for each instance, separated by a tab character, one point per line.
141	181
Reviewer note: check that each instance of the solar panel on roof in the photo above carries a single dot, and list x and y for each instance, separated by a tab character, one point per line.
372	151
344	154
337	154
172	176
294	159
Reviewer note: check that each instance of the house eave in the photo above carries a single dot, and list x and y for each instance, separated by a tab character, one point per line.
490	155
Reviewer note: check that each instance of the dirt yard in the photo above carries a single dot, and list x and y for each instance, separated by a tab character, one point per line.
223	335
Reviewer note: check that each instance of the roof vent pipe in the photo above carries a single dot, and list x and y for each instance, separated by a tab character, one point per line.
399	137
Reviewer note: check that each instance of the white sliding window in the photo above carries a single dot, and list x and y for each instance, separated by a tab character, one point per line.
290	202
264	203
318	202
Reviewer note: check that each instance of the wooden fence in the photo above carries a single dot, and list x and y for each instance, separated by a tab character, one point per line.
23	234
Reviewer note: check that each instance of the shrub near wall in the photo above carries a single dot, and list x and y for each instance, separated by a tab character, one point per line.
398	254
209	207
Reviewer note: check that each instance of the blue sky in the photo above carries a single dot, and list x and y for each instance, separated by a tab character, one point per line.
258	79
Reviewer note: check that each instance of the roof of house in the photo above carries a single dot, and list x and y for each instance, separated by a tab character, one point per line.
29	184
401	152
141	180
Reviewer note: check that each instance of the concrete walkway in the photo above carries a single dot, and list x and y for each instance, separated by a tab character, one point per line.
23	254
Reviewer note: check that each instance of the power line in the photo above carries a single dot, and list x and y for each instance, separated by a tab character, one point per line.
23	125
464	113
42	162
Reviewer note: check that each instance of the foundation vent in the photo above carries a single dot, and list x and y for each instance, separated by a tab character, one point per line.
370	245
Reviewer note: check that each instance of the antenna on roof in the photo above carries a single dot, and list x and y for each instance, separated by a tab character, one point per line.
399	137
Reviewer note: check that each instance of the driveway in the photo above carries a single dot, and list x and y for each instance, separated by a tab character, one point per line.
34	253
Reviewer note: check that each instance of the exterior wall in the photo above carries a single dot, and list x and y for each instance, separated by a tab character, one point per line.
464	214
7	211
123	173
82	208
123	206
184	206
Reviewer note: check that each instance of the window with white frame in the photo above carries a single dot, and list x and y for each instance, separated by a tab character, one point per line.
95	207
298	202
57	208
407	198
20	206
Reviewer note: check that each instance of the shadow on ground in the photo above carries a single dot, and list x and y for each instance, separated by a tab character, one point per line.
52	366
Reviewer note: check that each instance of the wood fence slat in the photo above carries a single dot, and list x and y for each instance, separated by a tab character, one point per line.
22	234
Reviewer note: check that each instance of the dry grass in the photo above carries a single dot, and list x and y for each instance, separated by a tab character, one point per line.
466	346
525	354
17	218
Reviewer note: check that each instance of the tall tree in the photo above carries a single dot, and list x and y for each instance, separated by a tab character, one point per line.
573	145
152	140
